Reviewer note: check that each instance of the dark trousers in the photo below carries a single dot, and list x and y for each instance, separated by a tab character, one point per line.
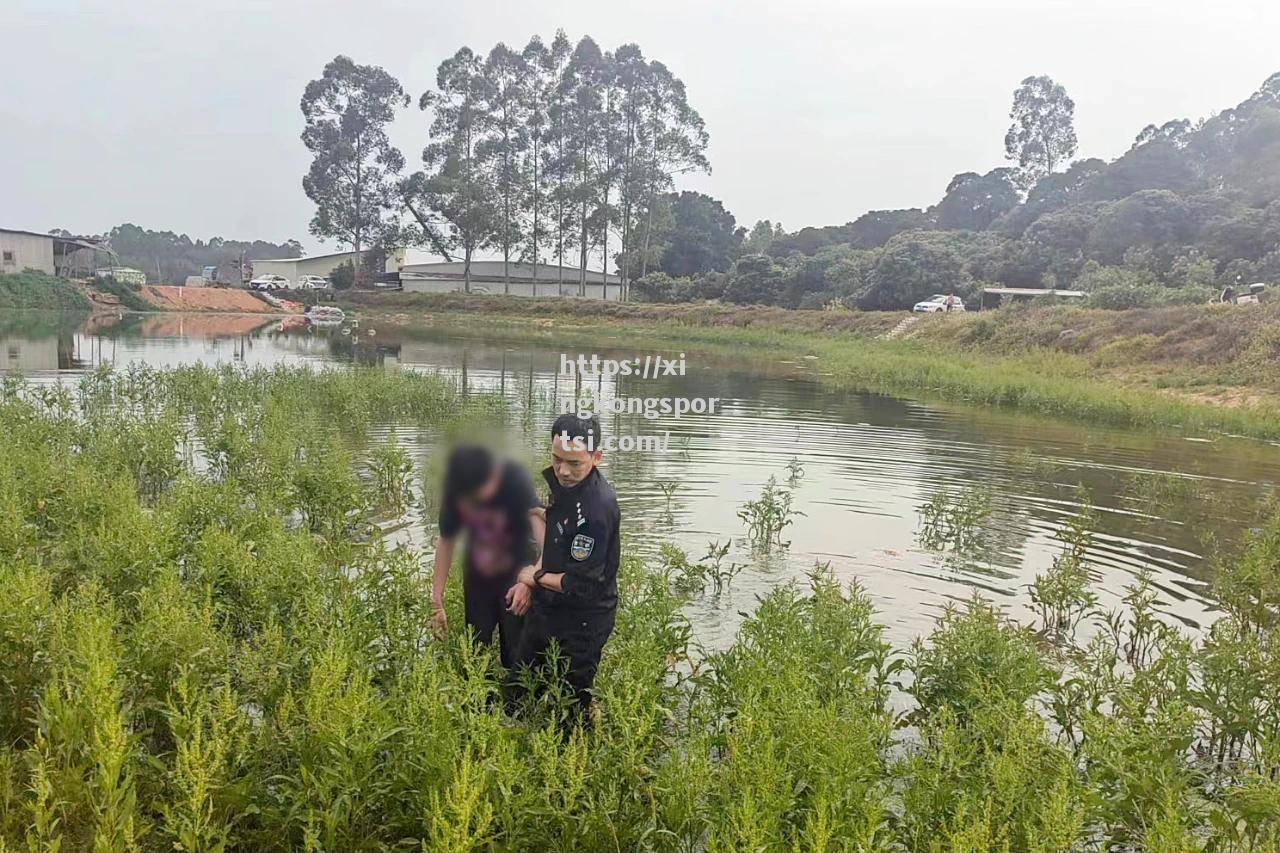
485	606
581	637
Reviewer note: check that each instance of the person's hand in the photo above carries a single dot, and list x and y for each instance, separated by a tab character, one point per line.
526	577
519	597
439	622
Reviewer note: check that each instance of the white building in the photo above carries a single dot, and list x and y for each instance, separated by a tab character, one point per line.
69	257
320	265
516	280
25	250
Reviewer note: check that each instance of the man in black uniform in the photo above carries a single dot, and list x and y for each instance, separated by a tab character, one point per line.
575	584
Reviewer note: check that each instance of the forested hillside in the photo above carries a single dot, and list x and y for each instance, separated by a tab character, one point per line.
1191	207
168	258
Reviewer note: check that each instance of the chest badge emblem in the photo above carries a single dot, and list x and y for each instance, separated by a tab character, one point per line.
581	546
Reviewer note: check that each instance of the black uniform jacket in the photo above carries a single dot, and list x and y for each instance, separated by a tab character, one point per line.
582	542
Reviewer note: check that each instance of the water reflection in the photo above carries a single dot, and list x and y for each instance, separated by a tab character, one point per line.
870	463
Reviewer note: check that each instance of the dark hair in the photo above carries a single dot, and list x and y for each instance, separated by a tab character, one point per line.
469	467
571	425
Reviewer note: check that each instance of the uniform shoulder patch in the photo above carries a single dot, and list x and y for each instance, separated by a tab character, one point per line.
581	547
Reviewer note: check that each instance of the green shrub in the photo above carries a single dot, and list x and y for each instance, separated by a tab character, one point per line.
205	644
32	289
1124	296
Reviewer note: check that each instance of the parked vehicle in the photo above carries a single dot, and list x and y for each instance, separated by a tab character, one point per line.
269	282
938	302
1252	296
312	282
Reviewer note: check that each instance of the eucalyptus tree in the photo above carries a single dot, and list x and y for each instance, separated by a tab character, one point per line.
561	144
540	64
630	75
609	159
453	190
582	88
506	85
558	162
354	167
1043	135
674	142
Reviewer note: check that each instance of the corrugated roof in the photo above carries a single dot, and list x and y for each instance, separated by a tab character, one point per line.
1032	291
345	254
82	242
492	271
23	231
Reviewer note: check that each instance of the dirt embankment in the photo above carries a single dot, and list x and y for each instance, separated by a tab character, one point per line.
222	299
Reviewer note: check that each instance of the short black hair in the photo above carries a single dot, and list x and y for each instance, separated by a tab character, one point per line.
469	467
586	428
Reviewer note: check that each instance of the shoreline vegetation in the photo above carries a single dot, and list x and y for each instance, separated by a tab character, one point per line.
1201	368
38	291
206	644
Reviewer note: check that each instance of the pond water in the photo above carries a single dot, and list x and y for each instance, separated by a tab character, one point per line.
867	473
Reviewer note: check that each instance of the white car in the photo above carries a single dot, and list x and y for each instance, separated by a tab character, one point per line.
938	302
269	282
312	282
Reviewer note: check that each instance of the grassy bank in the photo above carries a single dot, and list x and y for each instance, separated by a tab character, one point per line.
40	291
1199	368
220	653
701	315
130	297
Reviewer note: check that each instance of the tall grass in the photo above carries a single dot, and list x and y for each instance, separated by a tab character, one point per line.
204	645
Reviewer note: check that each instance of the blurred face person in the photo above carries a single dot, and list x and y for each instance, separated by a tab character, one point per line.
491	504
484	489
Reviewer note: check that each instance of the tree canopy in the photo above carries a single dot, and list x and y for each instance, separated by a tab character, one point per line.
1191	207
699	235
354	166
556	152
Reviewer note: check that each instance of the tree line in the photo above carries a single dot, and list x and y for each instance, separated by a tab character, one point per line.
567	154
1192	207
557	152
169	258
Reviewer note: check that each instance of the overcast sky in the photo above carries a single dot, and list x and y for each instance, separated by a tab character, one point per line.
184	116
